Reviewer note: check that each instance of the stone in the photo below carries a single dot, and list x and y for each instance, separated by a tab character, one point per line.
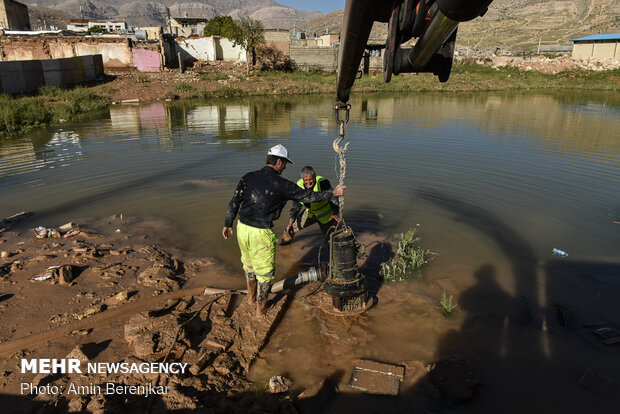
67	273
279	384
91	311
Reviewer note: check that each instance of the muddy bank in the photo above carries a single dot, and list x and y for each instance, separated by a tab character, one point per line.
74	293
118	299
121	299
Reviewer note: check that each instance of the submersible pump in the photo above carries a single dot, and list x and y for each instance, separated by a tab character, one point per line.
345	284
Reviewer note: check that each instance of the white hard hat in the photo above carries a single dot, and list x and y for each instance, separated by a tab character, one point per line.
279	151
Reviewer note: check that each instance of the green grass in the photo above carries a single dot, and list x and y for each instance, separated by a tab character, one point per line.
108	89
227	91
446	307
141	79
213	76
52	105
409	259
183	87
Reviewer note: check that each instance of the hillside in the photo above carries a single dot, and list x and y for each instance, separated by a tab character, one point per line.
153	12
516	25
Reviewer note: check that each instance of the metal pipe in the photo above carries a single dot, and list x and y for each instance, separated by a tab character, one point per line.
311	275
438	31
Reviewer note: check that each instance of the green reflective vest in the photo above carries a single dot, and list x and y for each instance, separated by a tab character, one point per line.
321	209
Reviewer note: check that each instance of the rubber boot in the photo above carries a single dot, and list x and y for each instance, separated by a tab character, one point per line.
252	286
263	295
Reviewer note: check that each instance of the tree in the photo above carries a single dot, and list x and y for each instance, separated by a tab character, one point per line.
96	30
223	26
251	35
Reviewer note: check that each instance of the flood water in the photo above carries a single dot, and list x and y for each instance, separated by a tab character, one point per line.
491	182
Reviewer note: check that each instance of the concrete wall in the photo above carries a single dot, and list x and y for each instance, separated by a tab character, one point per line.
116	53
206	49
152	32
27	76
14	15
315	58
146	60
225	50
601	50
200	49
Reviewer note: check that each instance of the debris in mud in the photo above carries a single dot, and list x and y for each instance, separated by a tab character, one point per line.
93	310
376	377
279	384
149	337
48	274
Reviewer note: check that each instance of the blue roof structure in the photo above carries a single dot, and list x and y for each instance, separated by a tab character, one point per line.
591	38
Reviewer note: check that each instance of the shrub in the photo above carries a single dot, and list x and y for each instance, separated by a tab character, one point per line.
271	58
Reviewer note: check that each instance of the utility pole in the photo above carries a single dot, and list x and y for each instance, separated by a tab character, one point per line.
539	39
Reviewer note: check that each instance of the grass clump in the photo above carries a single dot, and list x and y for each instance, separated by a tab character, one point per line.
213	76
409	259
227	91
446	307
183	87
53	104
141	79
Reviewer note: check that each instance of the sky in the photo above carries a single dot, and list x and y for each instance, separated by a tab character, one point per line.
325	6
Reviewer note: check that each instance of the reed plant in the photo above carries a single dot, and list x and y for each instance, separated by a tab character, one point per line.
446	307
408	261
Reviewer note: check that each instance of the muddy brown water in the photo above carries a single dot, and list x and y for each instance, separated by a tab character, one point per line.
492	183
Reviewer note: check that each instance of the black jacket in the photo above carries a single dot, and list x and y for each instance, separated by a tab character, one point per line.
261	195
324	185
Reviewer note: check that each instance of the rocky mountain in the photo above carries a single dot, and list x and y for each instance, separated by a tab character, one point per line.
516	25
153	12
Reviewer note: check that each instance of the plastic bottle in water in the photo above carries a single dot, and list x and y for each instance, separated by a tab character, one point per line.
559	252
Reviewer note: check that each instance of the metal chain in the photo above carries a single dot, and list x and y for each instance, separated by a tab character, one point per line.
341	150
